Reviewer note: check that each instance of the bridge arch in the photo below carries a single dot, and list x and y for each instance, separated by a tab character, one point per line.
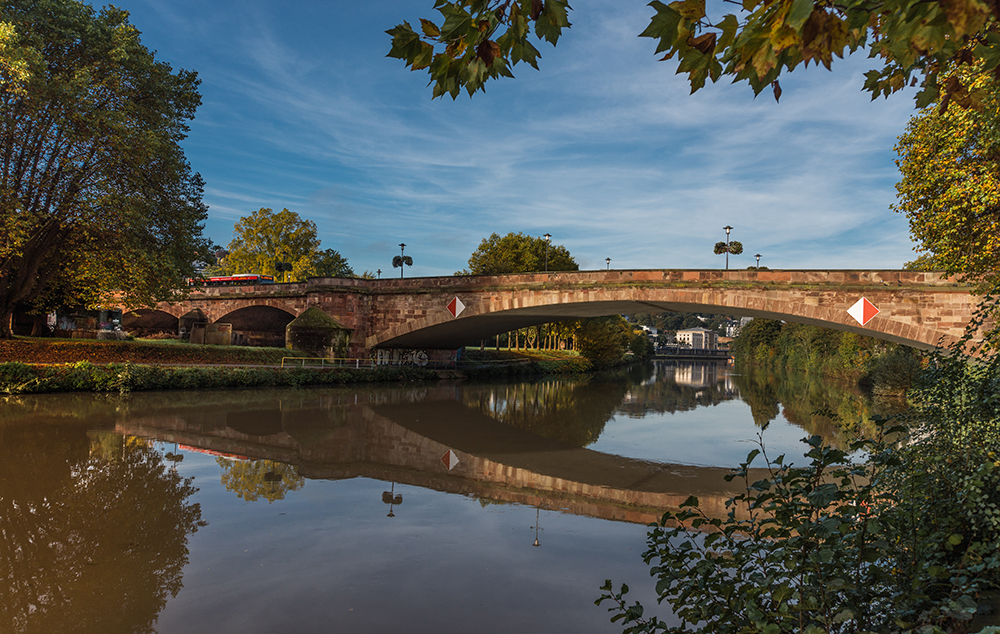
145	321
906	314
259	325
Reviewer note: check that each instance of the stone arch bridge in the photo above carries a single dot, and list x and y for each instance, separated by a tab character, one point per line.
921	309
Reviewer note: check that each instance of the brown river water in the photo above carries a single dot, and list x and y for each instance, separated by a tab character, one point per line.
448	507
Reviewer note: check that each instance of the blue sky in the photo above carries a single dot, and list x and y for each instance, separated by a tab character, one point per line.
603	148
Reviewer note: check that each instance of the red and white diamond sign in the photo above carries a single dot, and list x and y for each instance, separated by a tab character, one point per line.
863	311
455	307
449	459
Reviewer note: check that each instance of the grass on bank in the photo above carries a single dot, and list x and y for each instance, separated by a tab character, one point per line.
513	363
83	376
35	350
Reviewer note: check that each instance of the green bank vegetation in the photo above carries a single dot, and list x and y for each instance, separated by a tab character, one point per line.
47	350
83	376
906	541
884	368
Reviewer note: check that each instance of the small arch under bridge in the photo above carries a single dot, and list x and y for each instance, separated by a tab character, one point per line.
920	309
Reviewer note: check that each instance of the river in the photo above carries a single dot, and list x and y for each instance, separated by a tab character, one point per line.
447	507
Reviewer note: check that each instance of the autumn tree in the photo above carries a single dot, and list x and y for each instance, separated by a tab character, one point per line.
330	263
950	184
517	253
912	41
266	238
96	197
252	480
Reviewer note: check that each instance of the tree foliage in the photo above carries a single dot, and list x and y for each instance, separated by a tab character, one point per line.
906	541
330	263
96	196
517	253
950	184
266	238
911	40
603	340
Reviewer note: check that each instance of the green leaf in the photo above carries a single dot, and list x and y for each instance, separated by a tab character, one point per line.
729	25
799	13
429	28
457	21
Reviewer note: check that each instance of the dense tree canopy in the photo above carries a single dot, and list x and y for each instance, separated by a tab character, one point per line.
266	238
517	253
950	185
912	40
96	196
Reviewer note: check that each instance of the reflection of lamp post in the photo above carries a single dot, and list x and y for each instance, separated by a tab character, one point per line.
608	260
536	528
379	274
174	457
547	238
390	497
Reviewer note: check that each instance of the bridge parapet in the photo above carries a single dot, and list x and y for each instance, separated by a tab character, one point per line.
918	307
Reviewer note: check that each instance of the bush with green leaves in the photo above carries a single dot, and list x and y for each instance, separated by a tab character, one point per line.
906	541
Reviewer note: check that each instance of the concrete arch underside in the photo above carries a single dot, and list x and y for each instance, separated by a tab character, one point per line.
919	318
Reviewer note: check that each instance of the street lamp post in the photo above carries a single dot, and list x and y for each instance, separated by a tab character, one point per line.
379	273
758	260
547	238
728	229
608	260
402	245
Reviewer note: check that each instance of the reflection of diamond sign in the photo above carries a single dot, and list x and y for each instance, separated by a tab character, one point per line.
863	311
455	307
449	459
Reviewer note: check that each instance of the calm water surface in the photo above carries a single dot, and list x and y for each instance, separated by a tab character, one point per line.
335	510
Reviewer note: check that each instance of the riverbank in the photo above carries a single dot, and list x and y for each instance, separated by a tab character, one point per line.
497	364
83	376
34	366
34	350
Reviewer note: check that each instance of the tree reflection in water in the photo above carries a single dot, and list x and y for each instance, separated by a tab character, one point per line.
835	409
570	410
575	410
252	480
94	530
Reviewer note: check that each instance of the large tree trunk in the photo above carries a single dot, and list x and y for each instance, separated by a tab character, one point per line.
6	316
40	325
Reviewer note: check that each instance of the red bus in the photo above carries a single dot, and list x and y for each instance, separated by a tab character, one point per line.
240	279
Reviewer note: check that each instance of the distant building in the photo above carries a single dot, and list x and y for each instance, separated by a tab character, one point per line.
734	326
698	338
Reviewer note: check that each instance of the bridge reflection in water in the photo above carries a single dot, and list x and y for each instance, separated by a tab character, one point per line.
402	437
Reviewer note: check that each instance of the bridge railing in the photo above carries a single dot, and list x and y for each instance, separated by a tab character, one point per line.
324	362
358	363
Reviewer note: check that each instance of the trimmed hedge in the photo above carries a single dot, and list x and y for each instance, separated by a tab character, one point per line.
21	378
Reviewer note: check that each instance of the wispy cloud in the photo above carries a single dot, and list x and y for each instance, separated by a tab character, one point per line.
603	148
